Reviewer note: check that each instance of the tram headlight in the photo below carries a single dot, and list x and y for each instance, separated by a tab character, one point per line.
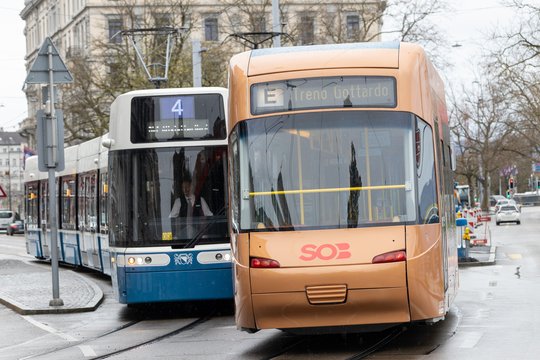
219	256
147	260
227	257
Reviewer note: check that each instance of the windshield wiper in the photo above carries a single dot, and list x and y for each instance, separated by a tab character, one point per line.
199	235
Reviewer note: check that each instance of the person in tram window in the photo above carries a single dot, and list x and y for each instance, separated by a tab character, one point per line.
189	205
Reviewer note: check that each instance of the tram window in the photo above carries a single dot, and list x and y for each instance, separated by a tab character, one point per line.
82	201
68	200
32	204
103	196
428	211
146	184
87	216
91	203
44	202
178	117
331	169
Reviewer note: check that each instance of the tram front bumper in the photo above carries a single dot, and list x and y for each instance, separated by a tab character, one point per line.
316	297
160	286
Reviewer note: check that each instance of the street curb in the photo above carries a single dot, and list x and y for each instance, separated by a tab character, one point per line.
490	261
89	305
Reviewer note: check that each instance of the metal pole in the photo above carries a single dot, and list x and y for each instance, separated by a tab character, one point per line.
197	70
9	172
276	23
52	157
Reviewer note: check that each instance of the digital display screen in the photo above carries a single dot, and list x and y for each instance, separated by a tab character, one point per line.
176	107
323	92
177	117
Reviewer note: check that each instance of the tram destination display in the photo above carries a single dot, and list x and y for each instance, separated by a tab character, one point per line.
178	117
323	92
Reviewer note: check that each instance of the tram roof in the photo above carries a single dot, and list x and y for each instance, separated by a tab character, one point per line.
362	55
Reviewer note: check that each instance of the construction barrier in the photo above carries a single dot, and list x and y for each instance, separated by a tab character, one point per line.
482	235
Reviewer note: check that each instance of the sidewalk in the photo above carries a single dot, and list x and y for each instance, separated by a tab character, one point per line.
479	256
27	289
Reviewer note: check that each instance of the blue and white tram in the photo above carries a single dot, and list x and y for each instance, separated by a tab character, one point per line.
81	189
168	201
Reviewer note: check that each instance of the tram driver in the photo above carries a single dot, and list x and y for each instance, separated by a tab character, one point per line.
189	205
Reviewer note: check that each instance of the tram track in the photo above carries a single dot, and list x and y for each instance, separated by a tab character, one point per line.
189	326
72	345
359	345
90	343
392	334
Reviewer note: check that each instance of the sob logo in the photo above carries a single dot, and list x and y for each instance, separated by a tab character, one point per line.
325	252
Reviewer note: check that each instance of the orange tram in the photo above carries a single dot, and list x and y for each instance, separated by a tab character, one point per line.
342	214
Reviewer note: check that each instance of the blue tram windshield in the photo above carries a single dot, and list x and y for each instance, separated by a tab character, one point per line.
177	117
168	196
333	169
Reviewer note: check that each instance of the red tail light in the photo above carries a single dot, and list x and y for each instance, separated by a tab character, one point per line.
264	263
393	256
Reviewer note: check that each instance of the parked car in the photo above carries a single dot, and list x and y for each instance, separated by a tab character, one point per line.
16	227
7	217
508	213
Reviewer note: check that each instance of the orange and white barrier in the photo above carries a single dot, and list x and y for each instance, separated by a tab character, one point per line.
483	235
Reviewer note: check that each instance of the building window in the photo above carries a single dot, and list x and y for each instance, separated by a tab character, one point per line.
353	26
162	20
211	29
138	22
115	27
307	29
260	24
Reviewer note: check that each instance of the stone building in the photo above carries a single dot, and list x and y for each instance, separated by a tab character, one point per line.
12	156
80	28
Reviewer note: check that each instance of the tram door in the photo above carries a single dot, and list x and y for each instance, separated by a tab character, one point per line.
88	225
441	169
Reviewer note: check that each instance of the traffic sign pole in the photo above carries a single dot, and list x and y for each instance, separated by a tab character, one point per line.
53	148
48	68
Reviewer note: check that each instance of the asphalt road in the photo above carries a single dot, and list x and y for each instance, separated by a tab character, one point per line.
494	317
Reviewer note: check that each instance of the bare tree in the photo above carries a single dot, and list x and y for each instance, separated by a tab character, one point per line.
413	21
516	62
115	67
249	22
481	127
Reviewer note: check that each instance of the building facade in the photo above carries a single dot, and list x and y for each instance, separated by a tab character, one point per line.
84	28
12	156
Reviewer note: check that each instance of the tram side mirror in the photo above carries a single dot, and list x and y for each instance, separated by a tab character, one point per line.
107	143
461	222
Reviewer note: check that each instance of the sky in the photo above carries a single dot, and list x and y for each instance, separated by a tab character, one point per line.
12	70
467	25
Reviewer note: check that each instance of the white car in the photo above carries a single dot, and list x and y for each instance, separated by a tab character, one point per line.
7	217
508	213
503	202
